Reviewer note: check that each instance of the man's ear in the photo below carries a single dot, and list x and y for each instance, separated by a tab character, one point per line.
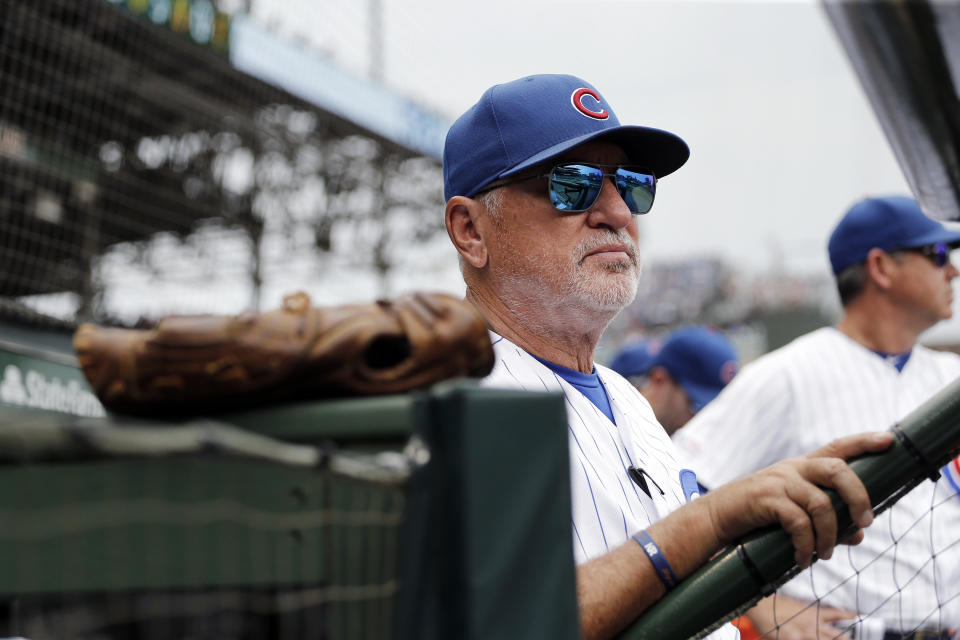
461	218
878	266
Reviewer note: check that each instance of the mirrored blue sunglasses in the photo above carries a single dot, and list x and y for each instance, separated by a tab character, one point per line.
575	186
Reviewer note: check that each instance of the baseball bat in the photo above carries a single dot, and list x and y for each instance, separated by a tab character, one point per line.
734	580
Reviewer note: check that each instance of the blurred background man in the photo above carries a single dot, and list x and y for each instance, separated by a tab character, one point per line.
679	373
893	274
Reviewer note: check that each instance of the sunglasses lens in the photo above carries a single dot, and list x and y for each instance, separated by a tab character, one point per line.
636	188
942	254
939	253
575	187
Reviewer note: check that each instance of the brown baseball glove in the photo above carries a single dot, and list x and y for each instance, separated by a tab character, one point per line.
199	364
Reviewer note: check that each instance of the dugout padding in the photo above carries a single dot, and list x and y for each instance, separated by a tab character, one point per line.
474	542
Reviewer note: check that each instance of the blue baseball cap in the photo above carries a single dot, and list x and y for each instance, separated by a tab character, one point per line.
635	358
700	360
889	223
520	124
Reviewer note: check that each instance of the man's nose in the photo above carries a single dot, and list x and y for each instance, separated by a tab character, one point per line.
951	270
610	209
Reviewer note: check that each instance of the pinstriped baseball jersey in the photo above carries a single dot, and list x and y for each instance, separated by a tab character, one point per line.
608	507
819	387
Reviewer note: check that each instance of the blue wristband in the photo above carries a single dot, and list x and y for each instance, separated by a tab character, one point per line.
664	570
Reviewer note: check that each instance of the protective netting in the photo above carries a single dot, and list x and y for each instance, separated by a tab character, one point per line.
902	580
142	174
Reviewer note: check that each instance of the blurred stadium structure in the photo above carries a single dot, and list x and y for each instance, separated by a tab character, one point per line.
758	312
162	156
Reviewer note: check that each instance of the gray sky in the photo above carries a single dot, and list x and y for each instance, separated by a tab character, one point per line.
782	137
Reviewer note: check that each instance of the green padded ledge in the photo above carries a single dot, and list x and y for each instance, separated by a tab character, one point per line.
375	417
366	418
167	523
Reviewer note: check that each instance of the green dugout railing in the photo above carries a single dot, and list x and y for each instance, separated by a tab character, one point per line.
738	577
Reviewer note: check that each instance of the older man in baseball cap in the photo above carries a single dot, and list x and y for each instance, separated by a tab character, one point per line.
680	373
544	187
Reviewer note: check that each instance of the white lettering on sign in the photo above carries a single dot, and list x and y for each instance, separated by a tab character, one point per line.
37	391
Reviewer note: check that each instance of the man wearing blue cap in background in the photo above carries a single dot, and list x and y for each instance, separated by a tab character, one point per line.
633	360
679	374
893	273
543	188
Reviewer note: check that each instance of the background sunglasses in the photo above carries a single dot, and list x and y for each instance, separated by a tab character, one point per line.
939	253
574	186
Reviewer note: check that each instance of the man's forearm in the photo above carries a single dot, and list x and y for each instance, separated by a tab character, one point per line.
617	587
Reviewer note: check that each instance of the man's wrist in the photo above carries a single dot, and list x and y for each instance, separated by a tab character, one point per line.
664	571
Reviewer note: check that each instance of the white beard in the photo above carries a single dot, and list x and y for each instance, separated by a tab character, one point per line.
574	285
602	291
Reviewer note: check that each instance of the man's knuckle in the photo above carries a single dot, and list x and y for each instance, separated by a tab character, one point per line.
819	505
795	523
835	466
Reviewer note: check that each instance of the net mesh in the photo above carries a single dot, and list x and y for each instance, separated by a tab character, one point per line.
902	580
142	174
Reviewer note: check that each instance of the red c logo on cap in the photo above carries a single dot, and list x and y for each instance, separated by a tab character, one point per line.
577	100
727	371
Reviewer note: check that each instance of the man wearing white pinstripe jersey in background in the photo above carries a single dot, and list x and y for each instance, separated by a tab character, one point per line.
893	274
543	187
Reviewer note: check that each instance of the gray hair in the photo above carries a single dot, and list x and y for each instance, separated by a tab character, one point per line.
492	201
852	280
